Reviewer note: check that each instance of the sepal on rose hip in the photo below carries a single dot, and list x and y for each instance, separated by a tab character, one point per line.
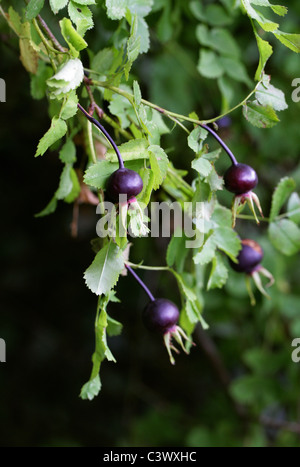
161	316
241	179
239	202
177	333
248	262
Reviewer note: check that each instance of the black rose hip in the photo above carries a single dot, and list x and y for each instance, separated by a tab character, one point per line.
160	315
240	179
124	182
248	261
249	257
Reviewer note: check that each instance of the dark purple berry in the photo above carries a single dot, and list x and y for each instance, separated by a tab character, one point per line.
240	179
249	257
160	315
124	182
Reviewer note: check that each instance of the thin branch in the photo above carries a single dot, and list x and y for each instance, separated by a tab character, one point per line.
106	134
130	97
51	35
140	282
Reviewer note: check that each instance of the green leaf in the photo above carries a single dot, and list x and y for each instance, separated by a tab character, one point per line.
103	60
132	150
202	166
185	290
209	64
75	192
114	328
227	90
147	176
215	181
137	93
207	252
143	35
264	361
216	15
72	38
159	164
76	188
67	153
116	9
265	23
265	52
81	16
49	209
227	240
235	69
197	9
65	184
121	107
176	251
57	130
133	46
57	5
102	325
33	8
86	2
223	42
14	21
196	139
281	193
222	216
259	116
293	208
268	95
69	107
292	41
219	273
97	174
285	236
218	39
165	25
255	389
38	82
91	389
67	79
103	274
28	54
278	9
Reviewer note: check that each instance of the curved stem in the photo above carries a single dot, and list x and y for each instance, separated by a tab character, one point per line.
106	134
48	47
221	142
141	283
148	268
166	112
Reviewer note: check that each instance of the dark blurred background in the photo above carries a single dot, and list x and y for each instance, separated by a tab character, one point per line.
47	313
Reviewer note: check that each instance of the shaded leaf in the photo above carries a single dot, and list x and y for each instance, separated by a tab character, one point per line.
57	130
285	236
103	274
281	193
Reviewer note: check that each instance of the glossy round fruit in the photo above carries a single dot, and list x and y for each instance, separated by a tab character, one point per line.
124	182
160	315
240	179
249	257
